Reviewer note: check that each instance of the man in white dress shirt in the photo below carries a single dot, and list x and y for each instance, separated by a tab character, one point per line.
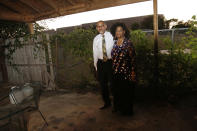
102	46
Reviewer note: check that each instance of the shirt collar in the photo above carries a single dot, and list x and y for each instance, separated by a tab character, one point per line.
104	34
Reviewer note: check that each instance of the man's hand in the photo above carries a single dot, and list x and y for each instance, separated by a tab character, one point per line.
95	74
93	70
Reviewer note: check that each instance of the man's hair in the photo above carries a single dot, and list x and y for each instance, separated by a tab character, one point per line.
101	21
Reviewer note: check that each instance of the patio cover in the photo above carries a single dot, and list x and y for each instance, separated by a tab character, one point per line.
34	10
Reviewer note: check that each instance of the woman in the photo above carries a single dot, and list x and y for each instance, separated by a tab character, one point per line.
124	70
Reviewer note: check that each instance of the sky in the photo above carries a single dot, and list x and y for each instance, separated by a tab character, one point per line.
179	9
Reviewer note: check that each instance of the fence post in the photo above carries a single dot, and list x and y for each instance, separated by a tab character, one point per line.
173	36
56	45
3	67
31	28
155	19
50	60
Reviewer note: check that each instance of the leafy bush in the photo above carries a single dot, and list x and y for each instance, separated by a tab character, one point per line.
191	37
78	42
144	56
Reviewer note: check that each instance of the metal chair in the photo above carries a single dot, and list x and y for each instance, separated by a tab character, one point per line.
29	104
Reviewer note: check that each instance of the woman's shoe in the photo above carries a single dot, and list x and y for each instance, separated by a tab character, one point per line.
105	106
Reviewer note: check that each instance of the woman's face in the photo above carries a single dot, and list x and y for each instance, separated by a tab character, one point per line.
119	32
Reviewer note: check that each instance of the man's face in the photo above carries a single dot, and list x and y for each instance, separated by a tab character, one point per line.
101	27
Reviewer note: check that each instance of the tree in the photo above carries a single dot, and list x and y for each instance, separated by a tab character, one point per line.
171	22
191	38
135	26
147	23
181	24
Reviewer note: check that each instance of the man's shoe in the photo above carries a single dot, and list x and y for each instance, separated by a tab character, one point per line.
114	110
105	106
127	113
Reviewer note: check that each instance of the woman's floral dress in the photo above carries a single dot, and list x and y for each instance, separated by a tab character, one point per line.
124	76
123	60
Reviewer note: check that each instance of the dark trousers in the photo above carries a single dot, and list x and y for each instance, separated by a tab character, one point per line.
123	94
104	70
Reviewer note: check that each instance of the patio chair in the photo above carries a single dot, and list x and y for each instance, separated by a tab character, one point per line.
8	111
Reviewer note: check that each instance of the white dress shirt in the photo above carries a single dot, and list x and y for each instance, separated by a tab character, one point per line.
97	47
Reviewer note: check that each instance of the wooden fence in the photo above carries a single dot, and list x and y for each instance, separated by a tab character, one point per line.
29	64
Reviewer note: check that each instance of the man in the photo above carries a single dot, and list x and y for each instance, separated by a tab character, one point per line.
102	46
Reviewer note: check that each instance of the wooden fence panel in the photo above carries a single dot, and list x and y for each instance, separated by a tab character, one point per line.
28	67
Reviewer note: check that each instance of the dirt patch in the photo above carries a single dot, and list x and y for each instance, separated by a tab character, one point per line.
79	112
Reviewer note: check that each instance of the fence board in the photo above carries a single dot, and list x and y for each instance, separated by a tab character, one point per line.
31	69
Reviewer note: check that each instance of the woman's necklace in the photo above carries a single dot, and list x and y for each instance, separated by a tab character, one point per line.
120	42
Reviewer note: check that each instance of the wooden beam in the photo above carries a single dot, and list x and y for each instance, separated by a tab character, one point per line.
51	3
60	11
8	8
67	3
98	4
31	28
38	6
44	11
85	6
71	2
7	14
18	7
72	9
155	20
29	6
12	17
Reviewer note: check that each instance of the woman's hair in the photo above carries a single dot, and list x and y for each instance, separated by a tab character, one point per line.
124	27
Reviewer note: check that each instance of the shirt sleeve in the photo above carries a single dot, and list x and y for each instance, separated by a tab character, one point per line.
111	44
112	39
95	54
132	55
